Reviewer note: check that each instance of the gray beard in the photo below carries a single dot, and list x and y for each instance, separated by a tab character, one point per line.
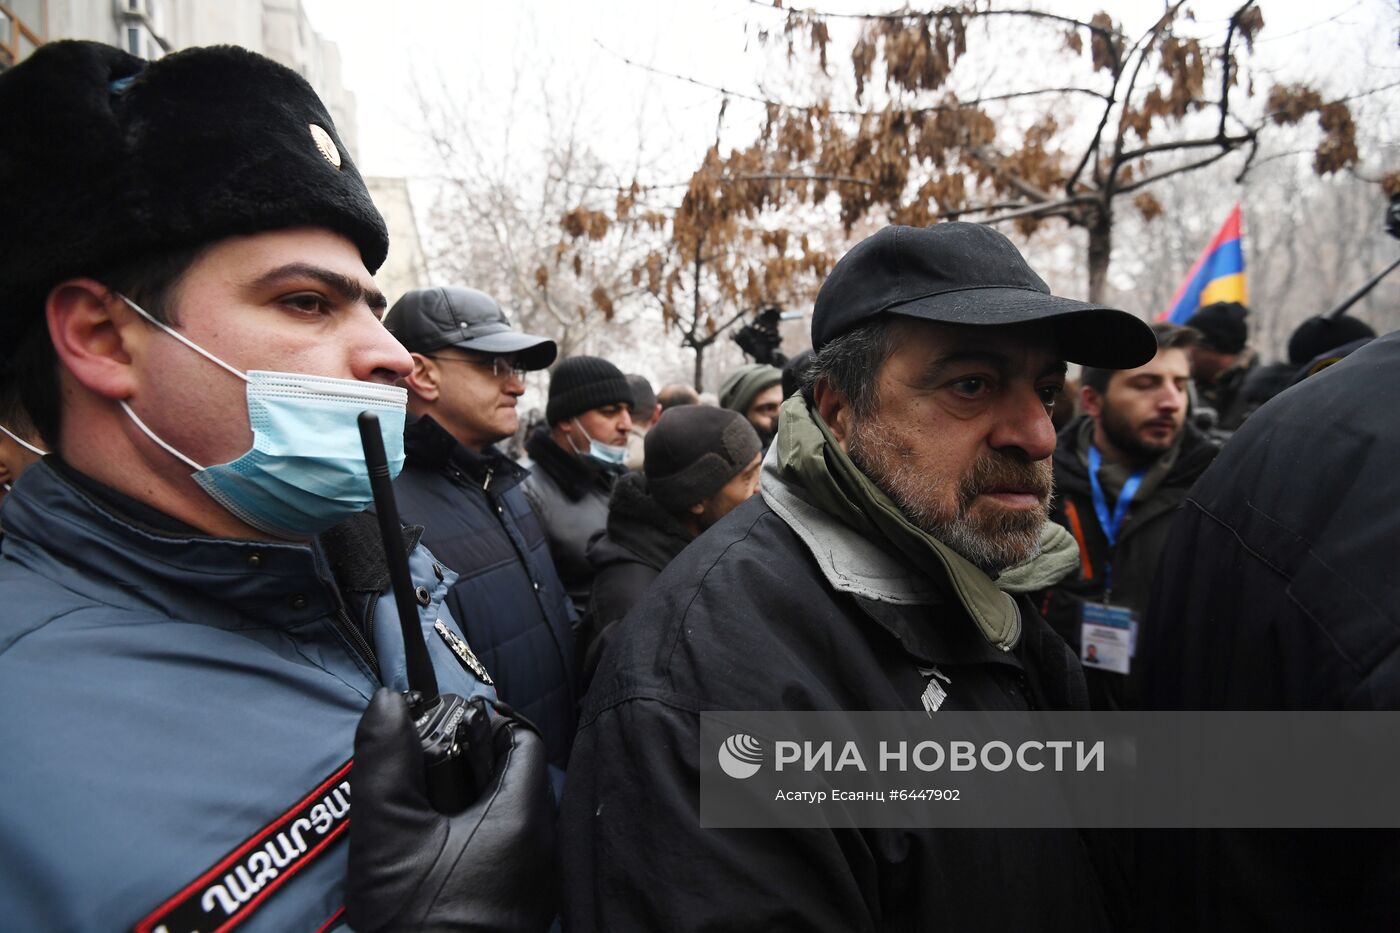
991	544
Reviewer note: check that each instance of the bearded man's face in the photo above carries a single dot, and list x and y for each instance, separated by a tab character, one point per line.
962	438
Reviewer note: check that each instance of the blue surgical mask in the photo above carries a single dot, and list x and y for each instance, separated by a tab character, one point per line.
306	469
611	454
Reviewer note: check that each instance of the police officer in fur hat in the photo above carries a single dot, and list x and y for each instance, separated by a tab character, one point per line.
197	639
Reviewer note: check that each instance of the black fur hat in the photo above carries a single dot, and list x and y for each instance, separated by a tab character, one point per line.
105	157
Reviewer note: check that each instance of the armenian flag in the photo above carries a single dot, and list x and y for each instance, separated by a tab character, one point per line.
1217	275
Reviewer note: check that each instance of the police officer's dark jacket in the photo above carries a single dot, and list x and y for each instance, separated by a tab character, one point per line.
570	495
1136	551
784	605
179	711
507	598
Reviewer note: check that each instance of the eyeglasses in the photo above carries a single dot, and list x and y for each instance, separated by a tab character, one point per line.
500	366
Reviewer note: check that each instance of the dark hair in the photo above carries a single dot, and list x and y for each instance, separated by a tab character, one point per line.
1169	337
676	393
851	364
150	282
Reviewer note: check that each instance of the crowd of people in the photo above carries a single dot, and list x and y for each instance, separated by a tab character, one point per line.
200	652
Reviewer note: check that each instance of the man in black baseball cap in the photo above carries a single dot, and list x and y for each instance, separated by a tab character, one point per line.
469	368
913	470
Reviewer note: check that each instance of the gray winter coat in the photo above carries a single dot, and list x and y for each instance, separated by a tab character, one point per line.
570	495
178	712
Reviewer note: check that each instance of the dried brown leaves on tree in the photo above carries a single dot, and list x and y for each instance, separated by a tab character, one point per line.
917	148
915	151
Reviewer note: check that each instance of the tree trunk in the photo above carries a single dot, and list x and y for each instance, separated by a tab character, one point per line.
1100	248
700	367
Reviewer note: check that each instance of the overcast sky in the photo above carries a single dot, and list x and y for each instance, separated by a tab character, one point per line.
478	50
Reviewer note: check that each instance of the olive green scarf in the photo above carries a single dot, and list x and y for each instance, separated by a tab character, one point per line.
811	457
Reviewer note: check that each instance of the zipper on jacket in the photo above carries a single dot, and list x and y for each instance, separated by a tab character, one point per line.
486	483
369	621
357	639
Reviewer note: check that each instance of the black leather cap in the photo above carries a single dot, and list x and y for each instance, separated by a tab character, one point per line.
428	319
962	273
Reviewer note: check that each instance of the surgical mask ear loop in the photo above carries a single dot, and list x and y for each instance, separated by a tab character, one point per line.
152	435
193	346
180	337
23	443
572	445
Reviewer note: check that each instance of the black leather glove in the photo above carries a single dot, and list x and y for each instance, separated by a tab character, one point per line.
490	867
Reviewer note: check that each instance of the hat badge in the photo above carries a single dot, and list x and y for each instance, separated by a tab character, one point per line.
325	144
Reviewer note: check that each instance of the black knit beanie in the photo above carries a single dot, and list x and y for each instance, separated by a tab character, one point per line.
1222	326
583	383
1317	335
693	450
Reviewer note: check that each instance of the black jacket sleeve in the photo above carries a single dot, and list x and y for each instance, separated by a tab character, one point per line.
616	589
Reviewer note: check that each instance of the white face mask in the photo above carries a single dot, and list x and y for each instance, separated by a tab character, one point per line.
611	454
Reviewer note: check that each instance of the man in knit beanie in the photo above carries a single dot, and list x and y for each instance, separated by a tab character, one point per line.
700	463
755	390
577	456
1222	360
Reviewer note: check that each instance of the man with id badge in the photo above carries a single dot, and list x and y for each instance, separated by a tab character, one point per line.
1121	469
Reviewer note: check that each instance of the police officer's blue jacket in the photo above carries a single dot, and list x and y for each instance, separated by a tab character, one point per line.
177	712
507	597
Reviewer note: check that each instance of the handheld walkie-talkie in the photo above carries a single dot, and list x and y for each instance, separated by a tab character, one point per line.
455	733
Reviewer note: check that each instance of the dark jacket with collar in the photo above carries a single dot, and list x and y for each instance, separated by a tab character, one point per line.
507	597
1280	590
641	539
782	606
166	695
1136	552
570	495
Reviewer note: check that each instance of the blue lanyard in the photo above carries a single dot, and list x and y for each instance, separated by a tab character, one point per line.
1111	525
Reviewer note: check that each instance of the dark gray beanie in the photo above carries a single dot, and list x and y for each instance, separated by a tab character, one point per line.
693	451
583	383
1222	326
1317	335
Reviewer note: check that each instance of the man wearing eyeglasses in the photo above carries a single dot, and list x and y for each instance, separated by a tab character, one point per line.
469	368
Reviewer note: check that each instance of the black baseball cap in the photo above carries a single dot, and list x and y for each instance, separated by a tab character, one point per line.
428	319
963	273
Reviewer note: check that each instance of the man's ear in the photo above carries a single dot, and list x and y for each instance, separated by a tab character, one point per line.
698	508
834	408
95	336
1090	401
426	379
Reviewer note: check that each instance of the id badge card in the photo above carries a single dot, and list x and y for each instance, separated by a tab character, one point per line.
1107	637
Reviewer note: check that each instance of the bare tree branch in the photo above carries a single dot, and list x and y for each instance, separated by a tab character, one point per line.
810	108
940	14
